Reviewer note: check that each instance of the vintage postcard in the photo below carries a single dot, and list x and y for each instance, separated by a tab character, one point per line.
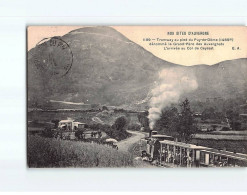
137	96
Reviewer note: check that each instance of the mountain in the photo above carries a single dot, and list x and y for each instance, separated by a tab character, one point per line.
226	79
110	69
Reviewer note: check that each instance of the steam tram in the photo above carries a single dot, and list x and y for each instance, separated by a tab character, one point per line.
169	153
151	145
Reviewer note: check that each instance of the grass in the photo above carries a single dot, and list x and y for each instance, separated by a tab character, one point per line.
47	152
229	132
221	137
80	116
230	145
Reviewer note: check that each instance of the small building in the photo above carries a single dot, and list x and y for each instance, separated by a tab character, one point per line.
243	116
79	125
197	115
70	125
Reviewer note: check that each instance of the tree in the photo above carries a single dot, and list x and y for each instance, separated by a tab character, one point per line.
234	119
168	121
104	108
179	125
186	126
79	134
118	129
56	122
208	113
143	119
120	123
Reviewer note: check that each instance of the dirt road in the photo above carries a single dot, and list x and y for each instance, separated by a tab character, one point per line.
124	145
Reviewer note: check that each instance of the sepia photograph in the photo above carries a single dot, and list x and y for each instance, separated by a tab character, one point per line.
136	96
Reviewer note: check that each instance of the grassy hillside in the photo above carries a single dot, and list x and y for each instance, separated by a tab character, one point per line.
46	152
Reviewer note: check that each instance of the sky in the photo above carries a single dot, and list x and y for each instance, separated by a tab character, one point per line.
187	57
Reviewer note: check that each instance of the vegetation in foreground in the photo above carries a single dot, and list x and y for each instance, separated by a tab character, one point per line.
47	152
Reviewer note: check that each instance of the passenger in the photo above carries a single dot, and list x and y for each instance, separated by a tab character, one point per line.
189	161
197	162
178	159
225	163
211	162
216	160
164	155
99	134
169	157
185	160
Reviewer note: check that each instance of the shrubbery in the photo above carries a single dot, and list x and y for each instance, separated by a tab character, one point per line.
47	152
116	131
79	134
225	129
134	127
47	133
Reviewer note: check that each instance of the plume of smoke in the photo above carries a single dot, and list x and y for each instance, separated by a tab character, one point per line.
172	83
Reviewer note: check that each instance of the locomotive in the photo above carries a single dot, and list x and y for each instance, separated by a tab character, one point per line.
151	145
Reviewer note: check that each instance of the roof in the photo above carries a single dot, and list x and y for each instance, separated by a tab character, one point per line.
161	136
79	123
238	156
181	144
66	121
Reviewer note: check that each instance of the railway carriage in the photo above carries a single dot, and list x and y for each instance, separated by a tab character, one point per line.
179	154
210	157
169	153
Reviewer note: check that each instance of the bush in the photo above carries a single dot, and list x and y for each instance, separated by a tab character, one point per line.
79	134
116	131
120	124
236	125
99	127
47	133
47	152
225	129
134	127
56	122
214	127
104	108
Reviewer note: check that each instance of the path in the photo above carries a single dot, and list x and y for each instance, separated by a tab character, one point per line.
97	120
126	143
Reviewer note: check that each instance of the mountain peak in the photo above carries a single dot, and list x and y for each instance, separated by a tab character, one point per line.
100	30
